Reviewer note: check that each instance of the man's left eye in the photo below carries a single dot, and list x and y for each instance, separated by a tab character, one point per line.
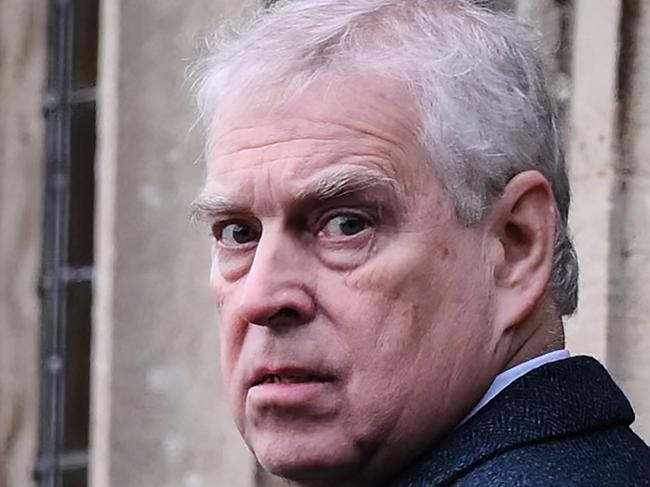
342	226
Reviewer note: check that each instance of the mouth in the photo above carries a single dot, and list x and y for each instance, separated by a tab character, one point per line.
290	377
291	390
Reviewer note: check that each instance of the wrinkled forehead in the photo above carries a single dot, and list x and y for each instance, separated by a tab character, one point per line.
373	102
332	138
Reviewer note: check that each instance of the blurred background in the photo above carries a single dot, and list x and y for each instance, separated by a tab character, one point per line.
108	338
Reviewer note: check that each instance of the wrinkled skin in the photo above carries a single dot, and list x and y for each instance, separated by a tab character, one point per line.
380	289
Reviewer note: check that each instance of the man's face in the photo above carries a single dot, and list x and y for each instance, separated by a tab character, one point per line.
355	310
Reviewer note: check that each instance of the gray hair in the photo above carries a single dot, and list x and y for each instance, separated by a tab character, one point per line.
476	76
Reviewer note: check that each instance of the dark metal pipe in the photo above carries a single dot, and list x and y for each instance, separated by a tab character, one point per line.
55	243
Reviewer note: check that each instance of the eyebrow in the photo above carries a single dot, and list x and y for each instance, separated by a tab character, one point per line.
329	185
344	181
207	205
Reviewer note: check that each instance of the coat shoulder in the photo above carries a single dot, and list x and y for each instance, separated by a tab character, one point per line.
612	456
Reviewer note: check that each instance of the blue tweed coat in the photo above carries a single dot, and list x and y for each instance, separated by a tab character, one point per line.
563	424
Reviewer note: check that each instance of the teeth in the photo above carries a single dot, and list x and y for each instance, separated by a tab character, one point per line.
290	379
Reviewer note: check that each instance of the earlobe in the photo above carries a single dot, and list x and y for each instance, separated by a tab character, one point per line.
523	224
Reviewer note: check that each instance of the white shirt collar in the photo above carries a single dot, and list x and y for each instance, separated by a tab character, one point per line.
504	379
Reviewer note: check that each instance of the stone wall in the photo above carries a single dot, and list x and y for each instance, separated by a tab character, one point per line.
22	78
628	333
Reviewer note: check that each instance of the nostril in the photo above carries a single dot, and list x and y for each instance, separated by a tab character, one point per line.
285	316
287	307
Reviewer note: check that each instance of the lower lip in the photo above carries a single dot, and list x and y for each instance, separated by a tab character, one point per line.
288	394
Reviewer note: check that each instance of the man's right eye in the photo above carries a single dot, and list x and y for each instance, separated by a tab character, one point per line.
235	234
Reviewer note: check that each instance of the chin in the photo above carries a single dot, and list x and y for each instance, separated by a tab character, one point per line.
307	459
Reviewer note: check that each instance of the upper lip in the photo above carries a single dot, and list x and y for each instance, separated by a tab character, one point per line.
262	373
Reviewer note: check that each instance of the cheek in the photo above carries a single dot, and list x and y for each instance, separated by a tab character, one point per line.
230	265
387	310
407	282
412	299
231	332
215	281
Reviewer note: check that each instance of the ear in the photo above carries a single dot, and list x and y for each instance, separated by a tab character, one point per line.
523	228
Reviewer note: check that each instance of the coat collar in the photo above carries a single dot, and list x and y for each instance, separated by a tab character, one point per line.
554	400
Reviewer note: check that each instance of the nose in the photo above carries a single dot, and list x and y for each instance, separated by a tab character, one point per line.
275	291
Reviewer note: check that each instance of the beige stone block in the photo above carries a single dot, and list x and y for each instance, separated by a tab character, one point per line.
591	160
22	78
592	128
629	329
586	331
629	332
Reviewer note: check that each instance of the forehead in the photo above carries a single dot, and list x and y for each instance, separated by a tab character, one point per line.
364	124
372	101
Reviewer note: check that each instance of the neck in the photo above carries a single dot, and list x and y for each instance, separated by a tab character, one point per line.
541	333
